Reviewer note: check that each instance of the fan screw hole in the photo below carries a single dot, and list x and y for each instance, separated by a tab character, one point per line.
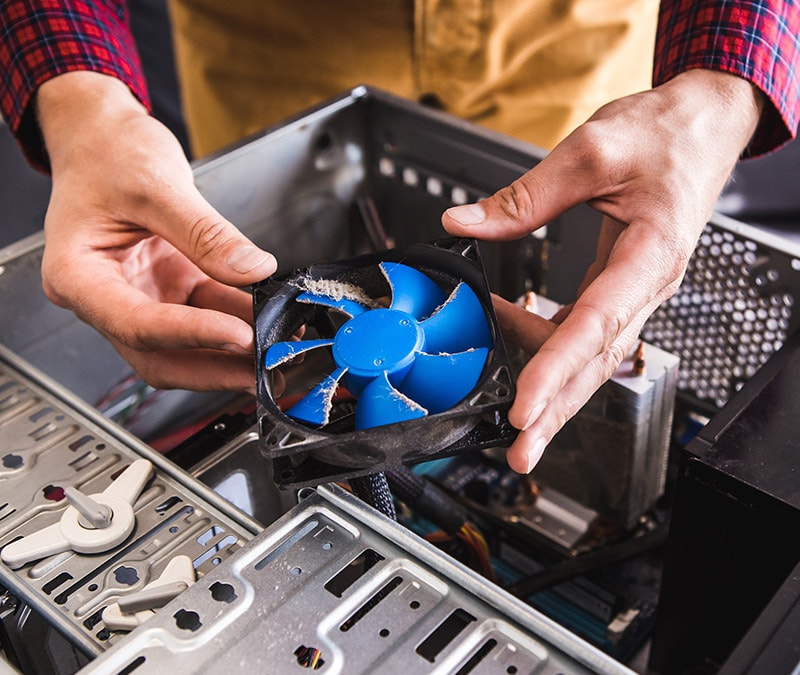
502	391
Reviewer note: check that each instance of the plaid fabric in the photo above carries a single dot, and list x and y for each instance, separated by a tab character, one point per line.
43	38
757	39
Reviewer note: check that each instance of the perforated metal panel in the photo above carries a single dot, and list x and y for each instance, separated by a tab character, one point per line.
735	308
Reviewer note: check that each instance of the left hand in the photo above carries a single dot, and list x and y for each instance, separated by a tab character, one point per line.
654	164
134	249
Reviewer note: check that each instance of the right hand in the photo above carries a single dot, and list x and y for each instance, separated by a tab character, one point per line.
653	164
133	248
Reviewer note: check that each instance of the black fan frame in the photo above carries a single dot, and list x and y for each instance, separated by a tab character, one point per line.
303	456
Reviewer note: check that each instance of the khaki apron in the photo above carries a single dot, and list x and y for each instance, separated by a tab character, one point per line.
533	69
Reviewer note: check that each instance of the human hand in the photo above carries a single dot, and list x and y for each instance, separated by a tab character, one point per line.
654	164
133	248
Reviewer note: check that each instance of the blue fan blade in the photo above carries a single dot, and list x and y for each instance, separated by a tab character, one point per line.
459	325
380	403
412	292
346	305
315	406
281	352
439	381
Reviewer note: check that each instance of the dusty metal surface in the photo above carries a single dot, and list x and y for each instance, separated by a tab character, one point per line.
335	586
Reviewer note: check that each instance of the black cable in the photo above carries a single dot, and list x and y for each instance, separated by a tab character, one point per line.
427	499
589	562
374	490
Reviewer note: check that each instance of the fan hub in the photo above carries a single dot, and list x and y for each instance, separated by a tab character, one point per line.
380	340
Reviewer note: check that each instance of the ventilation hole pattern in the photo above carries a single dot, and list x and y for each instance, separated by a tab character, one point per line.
727	318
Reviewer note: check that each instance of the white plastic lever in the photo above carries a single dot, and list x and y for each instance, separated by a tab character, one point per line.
177	576
131	482
71	533
93	513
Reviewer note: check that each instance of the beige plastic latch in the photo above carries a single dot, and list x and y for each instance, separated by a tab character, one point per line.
90	524
134	609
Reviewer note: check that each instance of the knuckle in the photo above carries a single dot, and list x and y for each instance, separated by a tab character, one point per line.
52	274
609	322
516	200
674	257
131	331
51	291
610	359
595	150
152	375
206	234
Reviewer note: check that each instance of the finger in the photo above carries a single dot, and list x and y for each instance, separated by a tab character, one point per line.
529	446
521	327
151	326
642	271
186	220
210	294
196	370
140	323
560	181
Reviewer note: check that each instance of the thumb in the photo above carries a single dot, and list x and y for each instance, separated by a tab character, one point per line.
554	185
213	243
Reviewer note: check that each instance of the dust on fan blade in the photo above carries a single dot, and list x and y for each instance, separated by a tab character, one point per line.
419	356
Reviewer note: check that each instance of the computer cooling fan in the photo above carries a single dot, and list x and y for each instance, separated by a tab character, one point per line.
400	361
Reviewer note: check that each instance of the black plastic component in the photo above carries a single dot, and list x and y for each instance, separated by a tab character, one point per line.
735	531
303	455
210	438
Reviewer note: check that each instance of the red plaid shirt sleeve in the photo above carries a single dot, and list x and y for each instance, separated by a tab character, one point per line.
756	39
40	39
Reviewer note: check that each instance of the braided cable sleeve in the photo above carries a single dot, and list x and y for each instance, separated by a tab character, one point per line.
406	485
374	490
427	499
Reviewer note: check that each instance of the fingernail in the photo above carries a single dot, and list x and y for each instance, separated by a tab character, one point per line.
468	214
535	453
247	257
534	415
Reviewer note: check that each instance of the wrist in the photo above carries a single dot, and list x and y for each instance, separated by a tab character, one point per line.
730	103
72	108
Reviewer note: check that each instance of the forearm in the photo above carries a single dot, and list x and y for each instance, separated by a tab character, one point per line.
40	41
758	41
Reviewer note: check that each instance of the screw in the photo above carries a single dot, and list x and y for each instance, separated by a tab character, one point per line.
8	602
